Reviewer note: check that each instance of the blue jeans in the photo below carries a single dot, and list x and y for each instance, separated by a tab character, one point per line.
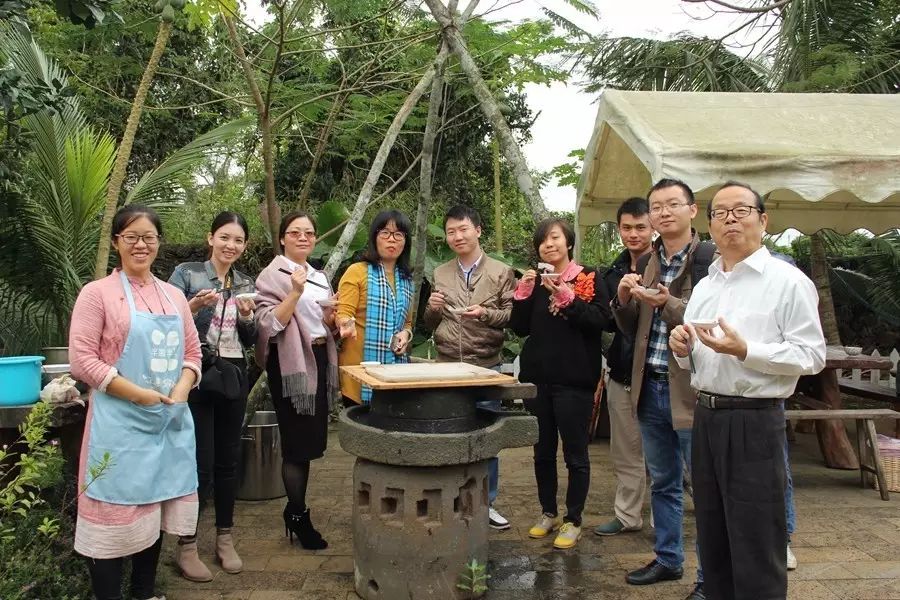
493	463
790	515
666	450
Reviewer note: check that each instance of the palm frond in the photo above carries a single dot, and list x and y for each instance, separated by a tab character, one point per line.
154	184
686	63
565	24
583	6
883	268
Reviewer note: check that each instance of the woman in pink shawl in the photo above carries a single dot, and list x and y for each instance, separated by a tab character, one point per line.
295	316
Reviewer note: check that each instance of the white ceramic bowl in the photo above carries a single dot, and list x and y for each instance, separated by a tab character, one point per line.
649	291
369	363
704	323
327	303
852	350
245	296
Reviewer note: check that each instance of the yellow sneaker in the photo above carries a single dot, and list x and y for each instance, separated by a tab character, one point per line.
567	537
544	526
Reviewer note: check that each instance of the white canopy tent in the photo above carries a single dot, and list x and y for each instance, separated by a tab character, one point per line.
821	161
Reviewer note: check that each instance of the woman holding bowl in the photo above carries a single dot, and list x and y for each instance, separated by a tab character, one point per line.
295	346
375	298
220	298
133	340
563	315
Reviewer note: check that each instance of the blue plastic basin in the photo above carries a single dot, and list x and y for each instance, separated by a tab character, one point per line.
20	380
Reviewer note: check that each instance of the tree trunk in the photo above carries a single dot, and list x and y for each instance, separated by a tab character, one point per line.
321	145
362	201
498	208
425	185
491	110
120	167
272	212
820	272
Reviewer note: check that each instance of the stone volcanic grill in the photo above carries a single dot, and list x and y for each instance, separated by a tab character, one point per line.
420	505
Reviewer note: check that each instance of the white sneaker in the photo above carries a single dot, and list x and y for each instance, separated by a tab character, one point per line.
791	559
496	520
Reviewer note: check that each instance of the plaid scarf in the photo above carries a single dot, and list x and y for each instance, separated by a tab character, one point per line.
385	316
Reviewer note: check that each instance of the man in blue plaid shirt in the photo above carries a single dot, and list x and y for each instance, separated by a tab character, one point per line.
647	306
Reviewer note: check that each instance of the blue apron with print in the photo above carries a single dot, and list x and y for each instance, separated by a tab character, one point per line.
152	449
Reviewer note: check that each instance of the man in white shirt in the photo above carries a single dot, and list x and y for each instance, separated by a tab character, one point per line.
767	334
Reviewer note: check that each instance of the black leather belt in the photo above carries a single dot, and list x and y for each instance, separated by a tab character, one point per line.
657	375
713	401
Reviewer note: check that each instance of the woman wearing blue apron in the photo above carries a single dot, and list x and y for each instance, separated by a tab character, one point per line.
132	339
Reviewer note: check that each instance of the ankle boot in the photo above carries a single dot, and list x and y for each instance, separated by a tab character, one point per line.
188	560
225	552
300	524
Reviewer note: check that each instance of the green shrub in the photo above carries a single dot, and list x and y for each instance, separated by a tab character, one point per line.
37	528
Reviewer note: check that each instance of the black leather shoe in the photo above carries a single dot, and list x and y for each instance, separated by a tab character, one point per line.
653	573
697	594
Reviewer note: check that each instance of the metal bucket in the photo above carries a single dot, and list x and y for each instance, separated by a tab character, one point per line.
260	468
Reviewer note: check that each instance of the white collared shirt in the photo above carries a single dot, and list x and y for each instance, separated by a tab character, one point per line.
310	312
774	307
467	273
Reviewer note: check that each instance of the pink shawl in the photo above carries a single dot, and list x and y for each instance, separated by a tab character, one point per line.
295	355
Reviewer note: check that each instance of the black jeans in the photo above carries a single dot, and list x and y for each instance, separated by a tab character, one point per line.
106	574
565	412
217	424
739	480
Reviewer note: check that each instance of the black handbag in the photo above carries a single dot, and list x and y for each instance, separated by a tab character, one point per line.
221	378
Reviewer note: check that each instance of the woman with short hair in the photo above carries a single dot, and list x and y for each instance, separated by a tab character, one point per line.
563	316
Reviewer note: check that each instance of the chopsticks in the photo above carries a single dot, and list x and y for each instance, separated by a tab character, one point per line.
309	281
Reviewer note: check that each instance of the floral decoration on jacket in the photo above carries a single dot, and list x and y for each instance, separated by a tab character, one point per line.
584	286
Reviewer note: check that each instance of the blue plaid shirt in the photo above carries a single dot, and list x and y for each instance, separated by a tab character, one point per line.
658	344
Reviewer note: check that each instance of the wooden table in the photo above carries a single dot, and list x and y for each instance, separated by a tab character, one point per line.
833	441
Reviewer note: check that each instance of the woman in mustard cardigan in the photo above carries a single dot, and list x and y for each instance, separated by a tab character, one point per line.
375	296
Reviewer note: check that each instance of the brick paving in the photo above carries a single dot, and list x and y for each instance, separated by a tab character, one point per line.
846	542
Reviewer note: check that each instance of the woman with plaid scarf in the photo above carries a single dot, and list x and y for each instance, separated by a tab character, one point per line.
375	296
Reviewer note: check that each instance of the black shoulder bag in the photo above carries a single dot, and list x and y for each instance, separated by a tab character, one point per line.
221	379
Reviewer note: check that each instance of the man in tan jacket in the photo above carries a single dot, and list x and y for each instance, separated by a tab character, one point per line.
469	309
646	306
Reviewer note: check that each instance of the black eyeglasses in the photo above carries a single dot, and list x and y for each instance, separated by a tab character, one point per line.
395	235
739	212
151	239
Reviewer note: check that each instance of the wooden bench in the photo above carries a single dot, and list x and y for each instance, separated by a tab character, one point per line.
866	438
872	391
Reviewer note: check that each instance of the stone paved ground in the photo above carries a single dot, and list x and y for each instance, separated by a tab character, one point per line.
847	541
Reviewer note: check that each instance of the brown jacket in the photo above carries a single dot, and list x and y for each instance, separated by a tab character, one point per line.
635	319
476	341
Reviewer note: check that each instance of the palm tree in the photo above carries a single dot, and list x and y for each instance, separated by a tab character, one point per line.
820	46
50	226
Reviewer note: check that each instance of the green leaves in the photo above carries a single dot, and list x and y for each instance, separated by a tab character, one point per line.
331	218
155	186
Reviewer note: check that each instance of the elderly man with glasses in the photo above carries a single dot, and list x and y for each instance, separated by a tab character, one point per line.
751	328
